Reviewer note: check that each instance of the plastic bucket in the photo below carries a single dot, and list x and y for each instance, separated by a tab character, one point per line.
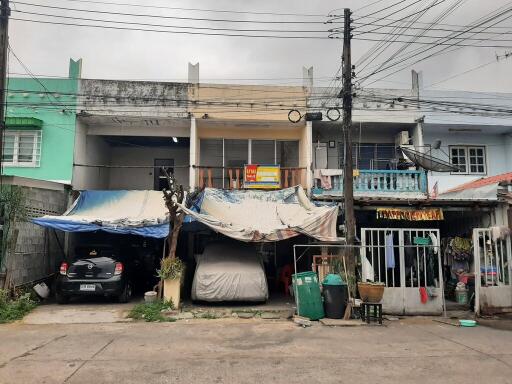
461	296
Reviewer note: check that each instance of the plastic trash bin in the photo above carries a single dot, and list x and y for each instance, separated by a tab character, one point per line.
335	293
307	295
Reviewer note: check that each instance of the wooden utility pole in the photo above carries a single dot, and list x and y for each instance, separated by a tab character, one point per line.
5	12
348	171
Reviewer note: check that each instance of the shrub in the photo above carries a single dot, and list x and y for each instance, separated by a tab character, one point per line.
14	309
151	311
170	268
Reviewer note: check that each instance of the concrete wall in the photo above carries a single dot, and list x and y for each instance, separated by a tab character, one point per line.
134	98
90	150
143	178
246	102
497	154
37	253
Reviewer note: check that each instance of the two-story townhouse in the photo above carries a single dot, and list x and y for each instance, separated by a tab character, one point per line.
40	126
396	206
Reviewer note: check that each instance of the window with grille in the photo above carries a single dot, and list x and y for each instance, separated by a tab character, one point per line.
22	148
470	159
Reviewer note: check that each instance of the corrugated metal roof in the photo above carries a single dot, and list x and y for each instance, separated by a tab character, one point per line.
482	182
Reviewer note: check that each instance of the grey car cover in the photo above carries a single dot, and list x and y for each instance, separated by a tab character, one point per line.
229	272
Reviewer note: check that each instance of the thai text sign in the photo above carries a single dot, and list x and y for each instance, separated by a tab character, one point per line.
410	214
262	176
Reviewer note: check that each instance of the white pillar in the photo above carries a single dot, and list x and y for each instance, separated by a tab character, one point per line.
309	155
193	151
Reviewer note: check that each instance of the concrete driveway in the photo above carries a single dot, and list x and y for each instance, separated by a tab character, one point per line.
79	313
249	351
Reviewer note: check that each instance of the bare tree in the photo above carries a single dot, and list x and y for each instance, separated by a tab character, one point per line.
173	196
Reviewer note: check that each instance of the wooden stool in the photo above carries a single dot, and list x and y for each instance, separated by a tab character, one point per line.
366	312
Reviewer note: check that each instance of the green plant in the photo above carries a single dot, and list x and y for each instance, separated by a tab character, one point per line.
13	210
208	315
152	311
12	309
170	268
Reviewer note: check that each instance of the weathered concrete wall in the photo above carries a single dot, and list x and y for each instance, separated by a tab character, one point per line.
246	102
134	98
37	252
90	150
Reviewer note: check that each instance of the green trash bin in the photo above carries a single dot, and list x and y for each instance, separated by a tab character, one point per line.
307	295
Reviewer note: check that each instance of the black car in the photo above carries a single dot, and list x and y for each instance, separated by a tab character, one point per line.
97	270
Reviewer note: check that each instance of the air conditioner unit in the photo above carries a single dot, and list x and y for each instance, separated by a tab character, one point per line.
402	138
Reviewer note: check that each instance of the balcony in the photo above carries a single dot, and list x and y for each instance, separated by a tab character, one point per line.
376	183
233	178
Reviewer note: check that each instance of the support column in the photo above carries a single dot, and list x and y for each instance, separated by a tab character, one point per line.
309	155
193	153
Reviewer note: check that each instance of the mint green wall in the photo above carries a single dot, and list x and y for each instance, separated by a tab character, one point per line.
27	98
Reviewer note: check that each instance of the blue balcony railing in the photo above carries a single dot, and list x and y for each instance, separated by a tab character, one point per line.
379	181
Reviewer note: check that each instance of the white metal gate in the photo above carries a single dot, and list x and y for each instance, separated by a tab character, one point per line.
493	270
415	266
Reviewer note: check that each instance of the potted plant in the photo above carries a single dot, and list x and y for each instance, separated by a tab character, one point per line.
170	273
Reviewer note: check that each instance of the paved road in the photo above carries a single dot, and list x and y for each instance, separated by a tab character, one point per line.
253	351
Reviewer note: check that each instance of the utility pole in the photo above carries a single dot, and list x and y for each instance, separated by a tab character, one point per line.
5	12
348	171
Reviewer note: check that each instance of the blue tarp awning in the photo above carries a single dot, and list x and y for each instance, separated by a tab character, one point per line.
125	212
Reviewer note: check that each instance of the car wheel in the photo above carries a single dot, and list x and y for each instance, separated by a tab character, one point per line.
61	299
126	295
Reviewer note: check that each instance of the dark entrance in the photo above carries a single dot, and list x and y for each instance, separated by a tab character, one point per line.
160	180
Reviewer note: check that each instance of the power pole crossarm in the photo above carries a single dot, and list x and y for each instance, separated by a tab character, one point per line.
348	172
5	12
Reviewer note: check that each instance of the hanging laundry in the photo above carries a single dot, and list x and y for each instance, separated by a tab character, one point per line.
423	295
435	242
499	232
389	251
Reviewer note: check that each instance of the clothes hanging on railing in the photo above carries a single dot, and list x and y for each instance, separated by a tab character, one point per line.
389	251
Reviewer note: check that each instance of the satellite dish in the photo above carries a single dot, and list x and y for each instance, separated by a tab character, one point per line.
428	162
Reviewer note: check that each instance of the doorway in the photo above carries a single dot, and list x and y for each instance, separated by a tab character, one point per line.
160	180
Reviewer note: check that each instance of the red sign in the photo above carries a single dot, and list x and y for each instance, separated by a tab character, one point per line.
250	172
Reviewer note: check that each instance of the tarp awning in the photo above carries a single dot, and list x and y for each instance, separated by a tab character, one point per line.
250	216
125	212
261	216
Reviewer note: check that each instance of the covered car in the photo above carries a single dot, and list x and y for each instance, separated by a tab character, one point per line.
231	271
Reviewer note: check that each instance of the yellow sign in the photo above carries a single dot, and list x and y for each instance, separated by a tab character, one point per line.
410	214
262	176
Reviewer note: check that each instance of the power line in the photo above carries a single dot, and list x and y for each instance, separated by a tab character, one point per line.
197	9
170	26
167	31
170	17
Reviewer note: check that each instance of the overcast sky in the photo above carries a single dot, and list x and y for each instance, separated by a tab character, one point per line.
112	54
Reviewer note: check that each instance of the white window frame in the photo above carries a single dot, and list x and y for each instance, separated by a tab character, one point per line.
466	149
36	150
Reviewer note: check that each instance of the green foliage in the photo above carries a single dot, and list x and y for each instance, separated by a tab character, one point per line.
14	203
152	311
170	268
14	309
208	315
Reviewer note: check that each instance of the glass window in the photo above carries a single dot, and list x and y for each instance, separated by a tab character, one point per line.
287	154
470	160
22	148
210	155
26	148
263	152
8	153
370	155
236	153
